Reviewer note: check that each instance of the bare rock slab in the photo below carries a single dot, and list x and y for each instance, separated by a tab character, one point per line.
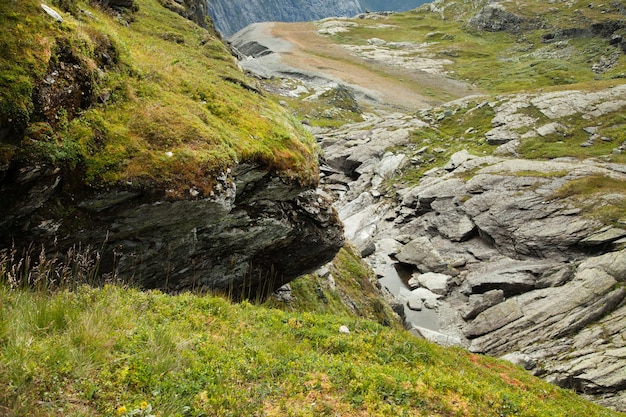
421	253
481	302
493	319
435	282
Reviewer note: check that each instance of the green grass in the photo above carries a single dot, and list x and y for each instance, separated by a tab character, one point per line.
169	109
567	143
352	291
602	198
451	129
111	351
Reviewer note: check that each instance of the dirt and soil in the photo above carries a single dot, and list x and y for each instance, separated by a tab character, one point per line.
405	89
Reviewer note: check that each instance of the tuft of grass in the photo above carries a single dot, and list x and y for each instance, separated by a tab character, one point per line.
349	289
115	351
602	198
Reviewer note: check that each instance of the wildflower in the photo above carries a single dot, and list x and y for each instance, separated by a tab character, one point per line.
121	410
143	405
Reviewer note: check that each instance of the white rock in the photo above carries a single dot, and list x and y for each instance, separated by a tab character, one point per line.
437	283
52	13
344	330
415	303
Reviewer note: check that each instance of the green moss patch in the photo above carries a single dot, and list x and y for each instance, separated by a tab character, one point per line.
167	106
602	198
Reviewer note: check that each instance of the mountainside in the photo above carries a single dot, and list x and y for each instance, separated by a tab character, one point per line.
390	5
488	191
134	152
231	16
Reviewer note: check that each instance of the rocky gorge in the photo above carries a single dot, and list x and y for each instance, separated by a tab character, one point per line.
492	246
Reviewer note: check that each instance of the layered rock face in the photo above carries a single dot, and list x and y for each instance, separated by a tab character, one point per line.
244	228
260	232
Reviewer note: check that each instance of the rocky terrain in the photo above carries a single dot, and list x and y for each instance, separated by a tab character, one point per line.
508	238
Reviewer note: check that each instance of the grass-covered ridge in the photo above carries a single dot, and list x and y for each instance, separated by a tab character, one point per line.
115	351
161	101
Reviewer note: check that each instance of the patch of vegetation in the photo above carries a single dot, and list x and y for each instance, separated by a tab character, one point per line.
516	62
450	130
163	109
348	289
574	141
602	198
116	352
332	108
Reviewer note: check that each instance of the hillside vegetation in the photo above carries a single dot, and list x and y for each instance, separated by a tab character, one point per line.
120	352
136	96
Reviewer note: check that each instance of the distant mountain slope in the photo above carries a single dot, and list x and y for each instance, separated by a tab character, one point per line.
396	5
231	16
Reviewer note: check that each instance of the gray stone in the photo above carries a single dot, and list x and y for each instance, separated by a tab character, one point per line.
481	302
436	337
52	13
493	318
451	222
421	253
613	263
603	236
388	246
551	129
521	359
500	136
555	278
425	294
437	283
509	275
415	303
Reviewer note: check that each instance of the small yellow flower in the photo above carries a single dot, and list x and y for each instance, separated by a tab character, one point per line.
143	405
121	410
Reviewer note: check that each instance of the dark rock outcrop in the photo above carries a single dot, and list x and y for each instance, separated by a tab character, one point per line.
245	231
495	18
260	233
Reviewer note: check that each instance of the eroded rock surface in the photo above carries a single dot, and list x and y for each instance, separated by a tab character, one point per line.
259	233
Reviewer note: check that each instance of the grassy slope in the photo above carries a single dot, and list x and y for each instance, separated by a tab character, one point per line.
170	110
111	351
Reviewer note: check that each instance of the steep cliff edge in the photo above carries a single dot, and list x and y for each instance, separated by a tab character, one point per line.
130	129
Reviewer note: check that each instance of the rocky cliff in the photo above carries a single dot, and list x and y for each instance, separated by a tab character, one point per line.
231	16
177	176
